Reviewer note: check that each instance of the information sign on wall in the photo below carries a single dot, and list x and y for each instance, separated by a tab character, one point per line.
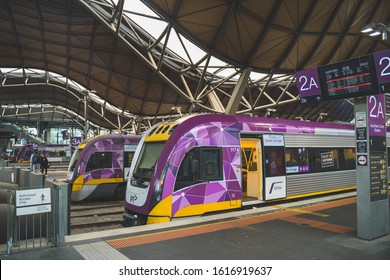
33	201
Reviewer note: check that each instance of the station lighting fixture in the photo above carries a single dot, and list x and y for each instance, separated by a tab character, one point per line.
321	116
269	111
376	29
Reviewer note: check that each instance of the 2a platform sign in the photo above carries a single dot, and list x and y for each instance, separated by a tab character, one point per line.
378	153
382	66
309	86
361	76
371	169
365	79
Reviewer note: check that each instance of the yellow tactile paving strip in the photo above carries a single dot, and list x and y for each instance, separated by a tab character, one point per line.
287	214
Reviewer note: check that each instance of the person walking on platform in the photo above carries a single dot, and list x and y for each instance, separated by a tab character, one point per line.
34	162
31	162
44	163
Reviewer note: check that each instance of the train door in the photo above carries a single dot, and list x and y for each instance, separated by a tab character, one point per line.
275	186
251	156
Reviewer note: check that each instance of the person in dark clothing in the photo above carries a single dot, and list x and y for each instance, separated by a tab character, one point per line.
44	163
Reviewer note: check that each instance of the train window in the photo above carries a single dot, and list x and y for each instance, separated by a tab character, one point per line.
187	175
99	160
147	160
297	160
165	129
324	159
159	129
348	159
199	165
28	154
274	161
210	164
128	158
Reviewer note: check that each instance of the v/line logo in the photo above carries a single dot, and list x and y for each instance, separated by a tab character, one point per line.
275	186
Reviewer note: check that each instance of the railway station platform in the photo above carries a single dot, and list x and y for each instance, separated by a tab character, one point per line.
321	228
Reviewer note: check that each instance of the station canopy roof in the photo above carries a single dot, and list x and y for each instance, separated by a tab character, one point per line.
102	48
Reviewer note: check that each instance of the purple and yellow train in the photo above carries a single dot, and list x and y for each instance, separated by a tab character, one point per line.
207	163
100	165
54	152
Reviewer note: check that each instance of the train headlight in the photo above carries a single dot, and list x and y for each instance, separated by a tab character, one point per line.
158	187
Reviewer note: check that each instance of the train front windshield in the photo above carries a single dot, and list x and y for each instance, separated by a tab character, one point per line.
73	159
147	160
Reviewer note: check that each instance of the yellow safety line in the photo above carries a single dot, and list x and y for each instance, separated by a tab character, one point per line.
301	211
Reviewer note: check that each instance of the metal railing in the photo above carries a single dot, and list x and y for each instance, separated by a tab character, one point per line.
35	218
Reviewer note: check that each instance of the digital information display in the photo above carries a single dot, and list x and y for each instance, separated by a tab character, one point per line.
348	79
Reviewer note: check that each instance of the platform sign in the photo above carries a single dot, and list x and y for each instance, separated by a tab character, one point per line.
309	86
382	66
75	141
371	169
377	139
33	201
365	79
348	79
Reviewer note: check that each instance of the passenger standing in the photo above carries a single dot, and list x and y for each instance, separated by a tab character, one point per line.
35	161
32	162
44	163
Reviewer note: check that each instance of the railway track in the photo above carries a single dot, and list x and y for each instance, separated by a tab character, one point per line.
96	216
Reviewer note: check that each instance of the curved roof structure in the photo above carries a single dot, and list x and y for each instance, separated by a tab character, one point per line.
278	35
95	44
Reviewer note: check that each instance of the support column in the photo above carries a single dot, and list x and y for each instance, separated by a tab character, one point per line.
215	102
238	91
371	167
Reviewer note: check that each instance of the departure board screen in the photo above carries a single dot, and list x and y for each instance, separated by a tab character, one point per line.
348	79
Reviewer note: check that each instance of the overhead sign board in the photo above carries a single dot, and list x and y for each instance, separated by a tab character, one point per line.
362	76
382	66
309	86
348	79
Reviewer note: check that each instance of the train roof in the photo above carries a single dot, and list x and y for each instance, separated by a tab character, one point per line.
263	120
106	136
184	124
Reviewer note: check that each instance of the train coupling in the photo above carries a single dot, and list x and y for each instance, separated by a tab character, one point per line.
130	220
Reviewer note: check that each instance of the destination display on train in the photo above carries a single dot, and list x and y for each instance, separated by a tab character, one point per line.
348	79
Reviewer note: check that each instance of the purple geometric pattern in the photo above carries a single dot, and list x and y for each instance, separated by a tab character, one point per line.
209	134
107	143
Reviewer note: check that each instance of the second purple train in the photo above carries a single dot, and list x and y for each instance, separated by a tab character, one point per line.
99	167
